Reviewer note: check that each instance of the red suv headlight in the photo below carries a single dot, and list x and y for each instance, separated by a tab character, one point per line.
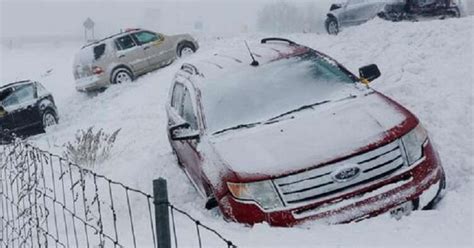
262	192
413	142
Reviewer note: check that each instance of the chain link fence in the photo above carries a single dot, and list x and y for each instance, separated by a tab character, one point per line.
47	201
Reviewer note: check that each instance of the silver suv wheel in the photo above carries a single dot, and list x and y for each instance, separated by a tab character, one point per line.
332	27
122	77
185	50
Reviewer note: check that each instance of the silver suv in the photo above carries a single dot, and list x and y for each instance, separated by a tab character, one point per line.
125	56
353	12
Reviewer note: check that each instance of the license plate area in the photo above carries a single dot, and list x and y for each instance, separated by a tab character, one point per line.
401	210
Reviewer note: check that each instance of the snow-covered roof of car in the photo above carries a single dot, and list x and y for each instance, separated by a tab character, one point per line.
15	84
219	63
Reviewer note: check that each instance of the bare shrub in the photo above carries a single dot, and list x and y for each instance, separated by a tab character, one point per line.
90	148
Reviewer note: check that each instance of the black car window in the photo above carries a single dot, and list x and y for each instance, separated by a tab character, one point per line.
25	93
19	95
5	93
9	99
146	37
177	98
125	42
188	111
41	90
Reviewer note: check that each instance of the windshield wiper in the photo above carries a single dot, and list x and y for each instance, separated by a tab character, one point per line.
272	120
249	125
309	106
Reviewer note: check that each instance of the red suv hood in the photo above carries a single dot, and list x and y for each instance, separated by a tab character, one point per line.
330	131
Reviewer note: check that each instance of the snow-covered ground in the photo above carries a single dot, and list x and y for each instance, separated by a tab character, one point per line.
426	66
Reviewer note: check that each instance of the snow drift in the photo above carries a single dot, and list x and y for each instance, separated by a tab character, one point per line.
426	66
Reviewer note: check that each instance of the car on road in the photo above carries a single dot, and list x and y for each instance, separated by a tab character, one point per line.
355	12
295	136
26	108
352	12
125	56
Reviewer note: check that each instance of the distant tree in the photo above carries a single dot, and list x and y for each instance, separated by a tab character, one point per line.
280	17
312	17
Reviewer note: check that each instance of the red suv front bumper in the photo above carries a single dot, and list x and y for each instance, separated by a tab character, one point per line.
419	183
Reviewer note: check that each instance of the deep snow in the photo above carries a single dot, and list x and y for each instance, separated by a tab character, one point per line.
426	66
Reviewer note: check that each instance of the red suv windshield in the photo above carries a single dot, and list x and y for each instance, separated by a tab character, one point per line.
257	94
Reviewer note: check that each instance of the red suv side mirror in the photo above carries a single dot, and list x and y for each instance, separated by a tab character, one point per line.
369	73
183	131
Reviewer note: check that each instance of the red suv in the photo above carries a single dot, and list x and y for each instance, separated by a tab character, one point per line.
281	133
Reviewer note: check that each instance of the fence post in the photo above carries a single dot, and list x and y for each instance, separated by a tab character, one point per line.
160	194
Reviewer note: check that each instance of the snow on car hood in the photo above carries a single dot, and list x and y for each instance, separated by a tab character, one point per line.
314	136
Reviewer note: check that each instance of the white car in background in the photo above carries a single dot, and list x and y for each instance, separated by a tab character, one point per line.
352	12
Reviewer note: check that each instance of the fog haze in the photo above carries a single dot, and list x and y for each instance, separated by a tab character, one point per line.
39	18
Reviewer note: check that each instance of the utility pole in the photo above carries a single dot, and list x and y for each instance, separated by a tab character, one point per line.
89	28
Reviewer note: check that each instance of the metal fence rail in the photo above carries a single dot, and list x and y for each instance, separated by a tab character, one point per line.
47	201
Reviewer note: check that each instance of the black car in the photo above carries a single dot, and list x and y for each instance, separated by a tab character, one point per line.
26	108
414	10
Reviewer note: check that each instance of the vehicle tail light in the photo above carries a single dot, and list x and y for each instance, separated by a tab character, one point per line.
97	70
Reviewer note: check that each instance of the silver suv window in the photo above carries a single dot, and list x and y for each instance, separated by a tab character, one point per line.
146	37
125	42
99	51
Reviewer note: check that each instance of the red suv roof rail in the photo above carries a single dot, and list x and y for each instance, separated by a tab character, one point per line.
264	41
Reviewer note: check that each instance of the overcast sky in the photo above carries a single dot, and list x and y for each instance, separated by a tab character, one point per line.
40	17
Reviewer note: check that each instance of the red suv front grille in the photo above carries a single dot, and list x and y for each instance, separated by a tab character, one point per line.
311	185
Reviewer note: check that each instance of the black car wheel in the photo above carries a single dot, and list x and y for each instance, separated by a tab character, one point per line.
185	49
49	119
454	12
332	26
